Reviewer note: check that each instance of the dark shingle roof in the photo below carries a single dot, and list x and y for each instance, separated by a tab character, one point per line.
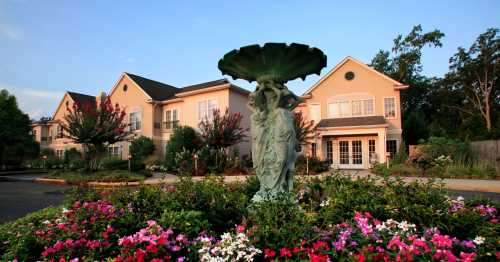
352	121
204	85
82	99
156	90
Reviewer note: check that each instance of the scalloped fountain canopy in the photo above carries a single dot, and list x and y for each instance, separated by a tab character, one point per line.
277	62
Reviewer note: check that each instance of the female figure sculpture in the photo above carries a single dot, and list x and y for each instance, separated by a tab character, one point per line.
274	142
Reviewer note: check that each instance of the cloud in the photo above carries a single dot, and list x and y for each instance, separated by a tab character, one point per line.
8	32
42	93
127	59
35	102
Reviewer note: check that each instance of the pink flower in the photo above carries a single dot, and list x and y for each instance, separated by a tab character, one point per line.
240	229
441	241
467	257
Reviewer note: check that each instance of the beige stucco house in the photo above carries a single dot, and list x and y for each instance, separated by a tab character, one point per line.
356	112
153	110
357	115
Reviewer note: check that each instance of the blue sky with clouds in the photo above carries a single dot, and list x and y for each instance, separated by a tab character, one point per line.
49	46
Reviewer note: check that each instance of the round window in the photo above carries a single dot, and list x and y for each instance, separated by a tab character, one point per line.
349	75
125	87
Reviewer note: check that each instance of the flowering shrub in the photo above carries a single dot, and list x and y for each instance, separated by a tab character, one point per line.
368	239
319	223
80	232
153	243
231	247
442	161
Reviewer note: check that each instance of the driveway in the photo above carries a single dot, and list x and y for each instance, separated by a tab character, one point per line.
19	195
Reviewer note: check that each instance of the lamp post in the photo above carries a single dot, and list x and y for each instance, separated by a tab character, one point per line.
307	163
129	158
387	158
195	156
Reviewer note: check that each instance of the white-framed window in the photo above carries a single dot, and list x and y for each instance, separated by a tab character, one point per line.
114	151
347	108
59	153
59	131
171	118
391	147
315	113
339	109
135	121
313	150
368	107
389	107
206	108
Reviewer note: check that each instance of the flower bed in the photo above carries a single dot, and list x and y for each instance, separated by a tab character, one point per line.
324	220
76	177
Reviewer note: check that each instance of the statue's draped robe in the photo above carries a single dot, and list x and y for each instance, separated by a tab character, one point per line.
273	146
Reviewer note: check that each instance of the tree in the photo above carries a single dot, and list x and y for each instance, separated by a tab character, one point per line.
95	127
15	134
142	147
219	132
303	128
404	64
476	71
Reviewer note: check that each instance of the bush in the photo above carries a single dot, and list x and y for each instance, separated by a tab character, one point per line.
18	239
315	165
141	148
113	163
47	152
190	223
183	138
278	222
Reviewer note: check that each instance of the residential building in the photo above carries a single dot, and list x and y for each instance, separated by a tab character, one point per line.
356	112
357	116
153	109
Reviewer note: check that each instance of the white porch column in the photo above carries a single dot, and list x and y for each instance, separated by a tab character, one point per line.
319	147
381	146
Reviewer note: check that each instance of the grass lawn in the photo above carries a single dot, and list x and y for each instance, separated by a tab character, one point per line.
78	177
450	171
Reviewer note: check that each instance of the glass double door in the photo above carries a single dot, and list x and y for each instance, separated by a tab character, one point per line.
350	153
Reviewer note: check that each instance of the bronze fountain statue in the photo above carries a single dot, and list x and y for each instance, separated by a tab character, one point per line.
274	142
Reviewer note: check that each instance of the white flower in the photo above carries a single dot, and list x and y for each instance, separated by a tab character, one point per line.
325	203
479	240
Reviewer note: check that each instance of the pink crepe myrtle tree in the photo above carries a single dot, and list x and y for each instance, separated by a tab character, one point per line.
95	126
221	131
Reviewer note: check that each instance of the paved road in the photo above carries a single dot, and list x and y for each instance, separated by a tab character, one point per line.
18	198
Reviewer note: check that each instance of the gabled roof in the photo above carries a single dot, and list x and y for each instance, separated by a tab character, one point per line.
352	121
156	90
204	85
82	99
396	84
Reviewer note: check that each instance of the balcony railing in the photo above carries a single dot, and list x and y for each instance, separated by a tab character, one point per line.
169	125
47	139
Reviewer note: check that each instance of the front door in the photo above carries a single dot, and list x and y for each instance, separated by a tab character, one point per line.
350	153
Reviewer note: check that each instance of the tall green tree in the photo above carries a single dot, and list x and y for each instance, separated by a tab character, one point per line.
95	127
476	72
404	64
16	141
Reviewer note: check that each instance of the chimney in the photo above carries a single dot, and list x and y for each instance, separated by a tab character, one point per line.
101	98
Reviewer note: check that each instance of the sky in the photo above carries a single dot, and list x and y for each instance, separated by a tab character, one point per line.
50	46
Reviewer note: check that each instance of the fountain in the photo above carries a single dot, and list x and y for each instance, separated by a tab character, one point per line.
274	142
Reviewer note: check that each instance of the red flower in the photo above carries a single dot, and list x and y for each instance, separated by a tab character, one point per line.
285	252
269	253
